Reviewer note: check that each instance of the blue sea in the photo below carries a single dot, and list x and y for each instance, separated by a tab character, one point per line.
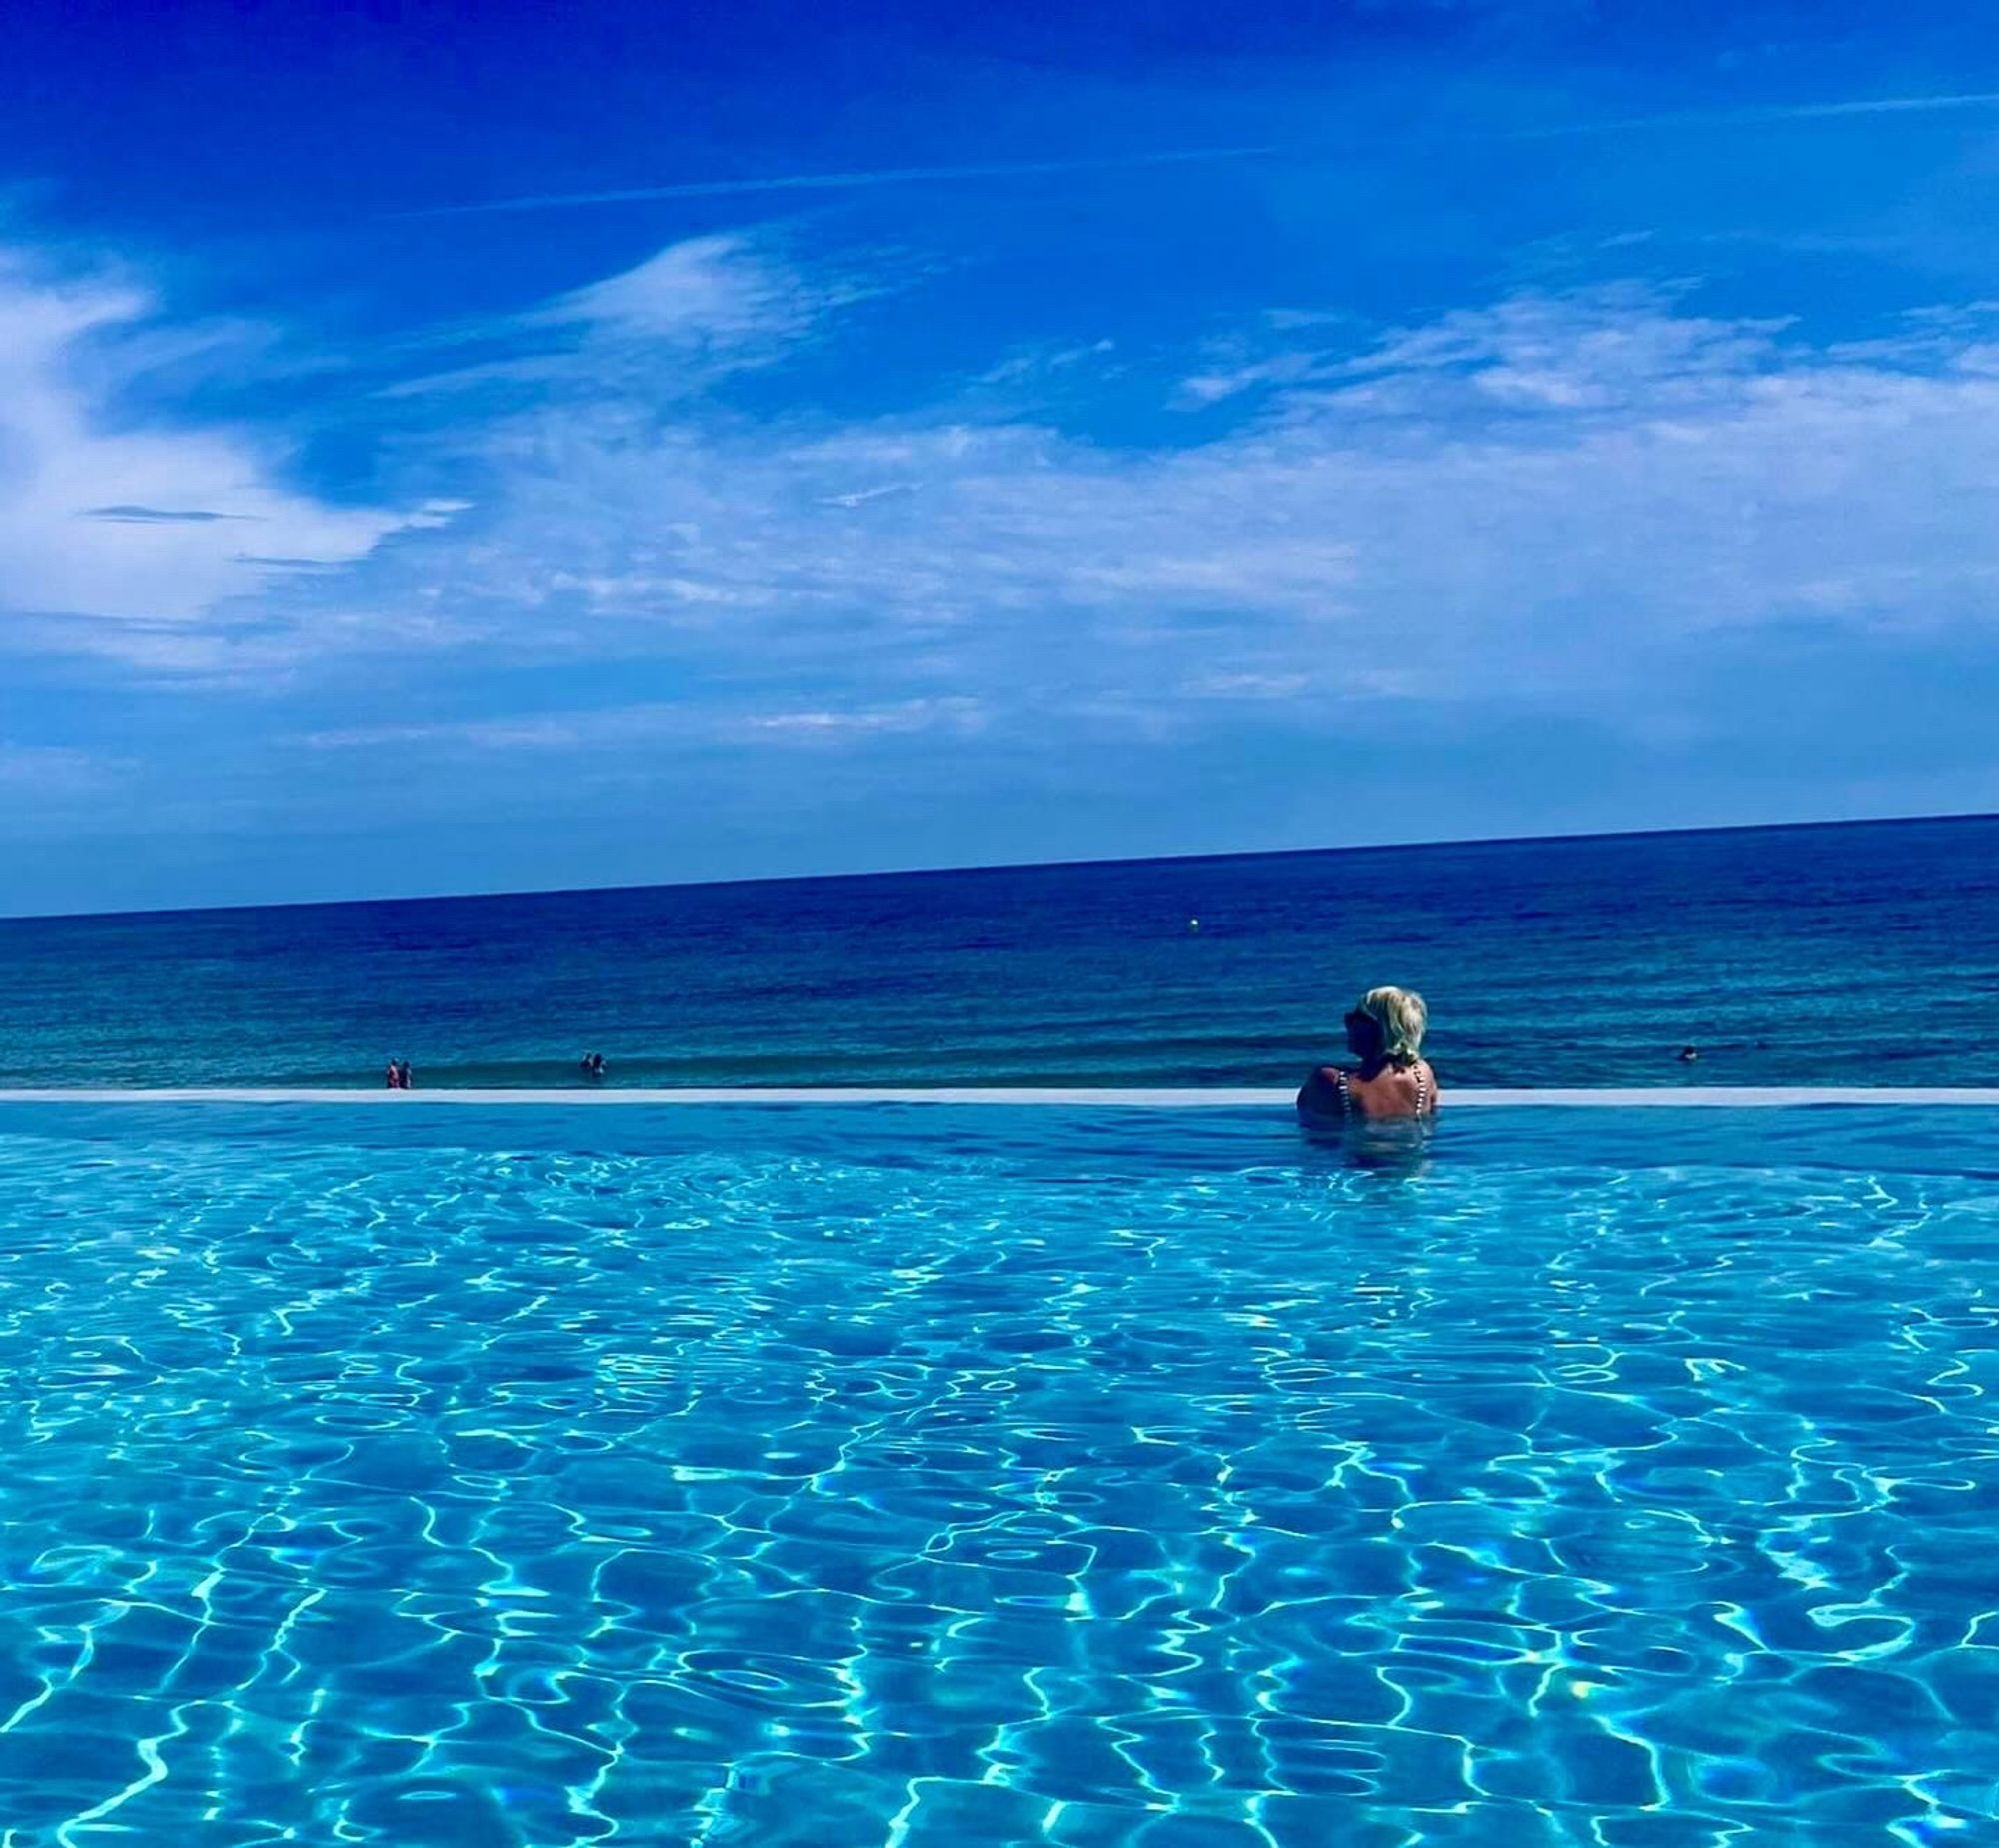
1865	953
940	1477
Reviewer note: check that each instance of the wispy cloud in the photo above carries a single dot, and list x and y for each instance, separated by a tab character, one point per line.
620	728
53	770
1541	498
529	732
712	290
1551	494
671	326
951	712
102	518
844	182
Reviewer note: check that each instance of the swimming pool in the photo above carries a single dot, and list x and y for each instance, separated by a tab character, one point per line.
920	1476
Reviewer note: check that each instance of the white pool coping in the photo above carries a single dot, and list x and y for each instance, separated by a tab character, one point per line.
1717	1096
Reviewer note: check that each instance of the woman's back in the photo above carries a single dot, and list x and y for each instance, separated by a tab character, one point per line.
1391	1078
1390	1091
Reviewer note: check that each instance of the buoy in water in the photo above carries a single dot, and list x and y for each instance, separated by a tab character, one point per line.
1193	926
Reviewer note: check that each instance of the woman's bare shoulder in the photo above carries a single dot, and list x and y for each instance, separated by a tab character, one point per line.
1320	1095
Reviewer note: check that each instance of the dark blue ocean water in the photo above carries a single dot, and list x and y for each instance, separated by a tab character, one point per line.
1865	953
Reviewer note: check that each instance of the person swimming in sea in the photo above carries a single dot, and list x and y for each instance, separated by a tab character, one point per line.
1390	1079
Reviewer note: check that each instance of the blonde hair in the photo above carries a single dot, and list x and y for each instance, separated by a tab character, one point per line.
1402	1018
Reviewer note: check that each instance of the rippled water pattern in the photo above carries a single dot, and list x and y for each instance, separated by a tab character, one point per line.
957	1479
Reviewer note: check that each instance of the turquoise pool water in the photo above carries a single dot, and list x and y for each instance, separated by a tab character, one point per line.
926	1476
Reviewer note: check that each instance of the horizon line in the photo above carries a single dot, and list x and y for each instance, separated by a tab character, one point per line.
1011	866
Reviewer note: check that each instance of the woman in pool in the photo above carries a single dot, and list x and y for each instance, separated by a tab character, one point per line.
1392	1079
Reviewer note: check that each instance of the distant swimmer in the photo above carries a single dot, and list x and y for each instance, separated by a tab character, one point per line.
1689	1053
592	1066
392	1077
403	1082
1384	1033
1193	926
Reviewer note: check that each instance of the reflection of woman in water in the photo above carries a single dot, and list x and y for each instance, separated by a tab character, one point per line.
1391	1078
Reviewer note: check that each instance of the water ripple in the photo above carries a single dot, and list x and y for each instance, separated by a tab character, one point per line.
776	1492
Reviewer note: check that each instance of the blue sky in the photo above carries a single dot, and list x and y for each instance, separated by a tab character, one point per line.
464	450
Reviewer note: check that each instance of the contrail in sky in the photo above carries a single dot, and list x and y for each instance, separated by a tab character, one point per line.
838	182
1177	157
1778	112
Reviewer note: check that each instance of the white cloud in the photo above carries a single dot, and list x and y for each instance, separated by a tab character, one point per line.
957	714
1543	498
705	291
665	329
151	522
